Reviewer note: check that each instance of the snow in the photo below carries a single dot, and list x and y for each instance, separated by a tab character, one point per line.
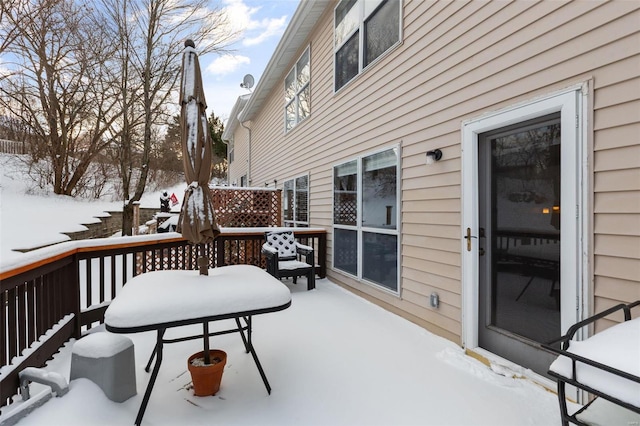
45	376
195	204
332	357
617	347
166	296
101	345
31	217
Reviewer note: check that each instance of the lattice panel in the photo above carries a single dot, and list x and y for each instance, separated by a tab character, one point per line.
345	210
246	207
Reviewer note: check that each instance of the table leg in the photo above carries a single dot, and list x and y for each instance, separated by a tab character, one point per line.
244	339
152	379
525	288
153	354
264	377
249	346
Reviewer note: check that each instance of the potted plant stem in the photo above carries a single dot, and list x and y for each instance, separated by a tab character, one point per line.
206	368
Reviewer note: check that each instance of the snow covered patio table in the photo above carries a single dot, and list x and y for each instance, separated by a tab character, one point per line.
159	300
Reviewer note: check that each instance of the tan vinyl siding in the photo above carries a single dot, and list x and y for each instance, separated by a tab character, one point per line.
459	60
240	155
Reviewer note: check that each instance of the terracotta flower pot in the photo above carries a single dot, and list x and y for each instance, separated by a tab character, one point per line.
206	378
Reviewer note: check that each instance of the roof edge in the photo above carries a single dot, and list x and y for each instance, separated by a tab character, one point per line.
232	123
296	33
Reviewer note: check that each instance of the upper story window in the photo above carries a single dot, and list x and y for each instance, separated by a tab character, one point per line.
297	94
363	31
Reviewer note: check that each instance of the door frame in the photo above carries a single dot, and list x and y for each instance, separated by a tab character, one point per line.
571	102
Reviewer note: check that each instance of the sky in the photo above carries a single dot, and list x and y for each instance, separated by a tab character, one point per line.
264	22
261	24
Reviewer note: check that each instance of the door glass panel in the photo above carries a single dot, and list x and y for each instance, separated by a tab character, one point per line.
525	231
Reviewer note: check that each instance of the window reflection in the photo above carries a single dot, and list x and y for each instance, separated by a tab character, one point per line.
346	250
380	259
379	200
345	194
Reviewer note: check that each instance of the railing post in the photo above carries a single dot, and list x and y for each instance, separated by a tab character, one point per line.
322	254
75	295
219	241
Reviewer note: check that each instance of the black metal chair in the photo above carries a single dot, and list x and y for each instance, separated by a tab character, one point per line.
288	258
583	368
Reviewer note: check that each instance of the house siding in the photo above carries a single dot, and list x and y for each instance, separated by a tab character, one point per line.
459	60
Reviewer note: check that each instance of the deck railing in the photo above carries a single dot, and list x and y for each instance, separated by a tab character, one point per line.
57	293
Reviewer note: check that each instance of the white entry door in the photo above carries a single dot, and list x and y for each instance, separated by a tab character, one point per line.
522	262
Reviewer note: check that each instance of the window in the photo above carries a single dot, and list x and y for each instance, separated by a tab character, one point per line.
231	151
363	31
243	180
295	198
297	94
365	218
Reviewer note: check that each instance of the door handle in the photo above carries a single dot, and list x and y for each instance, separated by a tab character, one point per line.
468	237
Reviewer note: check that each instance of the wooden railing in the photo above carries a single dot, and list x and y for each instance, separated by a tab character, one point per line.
57	293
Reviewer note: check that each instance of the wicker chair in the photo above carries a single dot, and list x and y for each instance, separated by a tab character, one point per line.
288	258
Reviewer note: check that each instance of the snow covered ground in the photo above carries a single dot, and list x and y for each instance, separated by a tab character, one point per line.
31	217
332	358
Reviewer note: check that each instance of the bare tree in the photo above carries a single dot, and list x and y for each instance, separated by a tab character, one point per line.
61	86
8	25
150	36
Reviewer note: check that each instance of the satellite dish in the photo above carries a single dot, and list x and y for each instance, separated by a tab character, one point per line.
247	81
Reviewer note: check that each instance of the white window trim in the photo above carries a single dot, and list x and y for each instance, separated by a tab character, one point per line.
571	103
295	207
360	28
296	97
360	229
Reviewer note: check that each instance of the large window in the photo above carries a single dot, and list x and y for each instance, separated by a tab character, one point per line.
297	94
295	199
363	31
365	218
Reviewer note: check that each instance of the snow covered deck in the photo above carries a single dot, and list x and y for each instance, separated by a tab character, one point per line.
332	359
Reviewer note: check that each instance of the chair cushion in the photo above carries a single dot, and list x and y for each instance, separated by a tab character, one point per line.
284	242
290	265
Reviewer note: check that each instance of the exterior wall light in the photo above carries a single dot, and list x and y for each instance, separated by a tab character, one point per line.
433	156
